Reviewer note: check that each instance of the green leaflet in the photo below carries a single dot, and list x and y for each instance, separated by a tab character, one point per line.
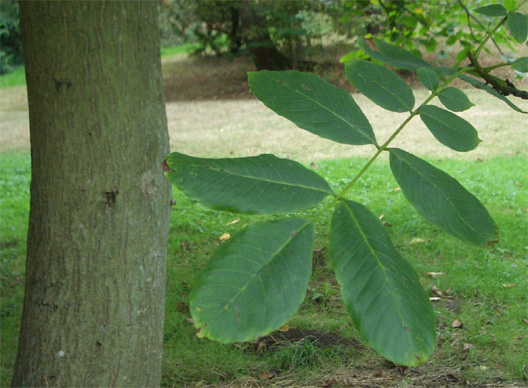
492	10
520	65
441	200
518	26
449	129
428	78
380	85
313	104
380	288
258	184
394	55
454	99
255	282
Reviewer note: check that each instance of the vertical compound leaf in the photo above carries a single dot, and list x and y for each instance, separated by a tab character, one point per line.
313	105
449	129
441	200
455	99
428	78
380	85
518	26
492	10
255	282
380	288
257	184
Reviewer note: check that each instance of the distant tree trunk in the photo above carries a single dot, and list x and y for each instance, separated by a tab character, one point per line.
97	240
263	51
235	42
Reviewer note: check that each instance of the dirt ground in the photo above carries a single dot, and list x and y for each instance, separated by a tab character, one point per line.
211	112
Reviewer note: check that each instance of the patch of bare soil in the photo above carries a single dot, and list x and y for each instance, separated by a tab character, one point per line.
293	335
206	78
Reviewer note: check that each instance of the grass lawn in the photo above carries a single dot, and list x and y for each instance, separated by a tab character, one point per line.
484	289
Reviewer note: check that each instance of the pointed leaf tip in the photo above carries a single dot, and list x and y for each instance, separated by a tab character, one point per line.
313	105
441	200
381	85
449	129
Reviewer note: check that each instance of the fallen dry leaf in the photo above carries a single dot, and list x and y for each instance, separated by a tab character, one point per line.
265	375
378	374
457	324
436	291
314	166
382	216
329	382
261	345
435	274
397	189
434	298
225	237
509	285
416	240
233	222
285	328
467	347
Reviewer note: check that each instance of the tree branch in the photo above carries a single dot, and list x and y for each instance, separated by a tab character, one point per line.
505	88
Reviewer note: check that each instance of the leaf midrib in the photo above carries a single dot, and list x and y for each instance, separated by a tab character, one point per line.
257	273
375	254
358	129
249	177
441	193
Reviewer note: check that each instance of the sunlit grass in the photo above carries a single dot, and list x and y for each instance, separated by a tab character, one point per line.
15	78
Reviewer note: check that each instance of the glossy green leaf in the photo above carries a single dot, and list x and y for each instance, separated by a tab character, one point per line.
428	78
380	85
481	85
441	200
520	65
518	26
254	282
455	99
449	129
492	10
394	55
257	184
380	289
313	104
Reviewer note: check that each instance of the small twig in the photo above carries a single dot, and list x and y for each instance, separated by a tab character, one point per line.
505	88
469	17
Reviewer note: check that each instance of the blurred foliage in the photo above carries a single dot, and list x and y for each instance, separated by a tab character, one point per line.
424	26
10	45
226	27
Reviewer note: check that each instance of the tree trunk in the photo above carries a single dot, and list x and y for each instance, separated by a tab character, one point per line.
98	228
263	51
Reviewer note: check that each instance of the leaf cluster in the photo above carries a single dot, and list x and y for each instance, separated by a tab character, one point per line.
256	281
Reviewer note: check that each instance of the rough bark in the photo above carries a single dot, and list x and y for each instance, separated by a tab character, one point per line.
97	239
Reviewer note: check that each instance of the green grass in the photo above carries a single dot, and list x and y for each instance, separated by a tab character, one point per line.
493	316
181	49
15	78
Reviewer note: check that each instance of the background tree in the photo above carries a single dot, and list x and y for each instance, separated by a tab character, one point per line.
10	46
97	240
277	34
